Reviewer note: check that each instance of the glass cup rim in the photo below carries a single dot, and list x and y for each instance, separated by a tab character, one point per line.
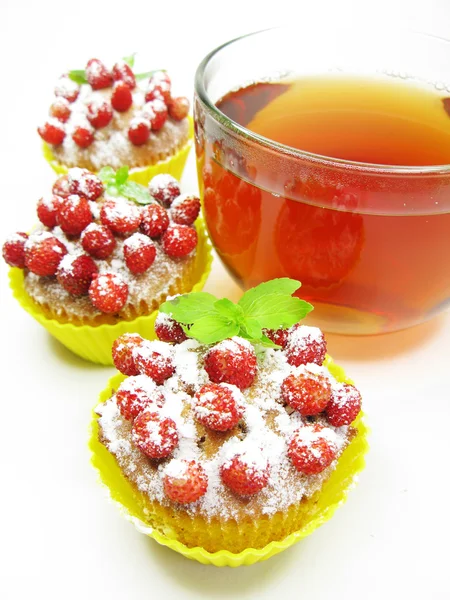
240	130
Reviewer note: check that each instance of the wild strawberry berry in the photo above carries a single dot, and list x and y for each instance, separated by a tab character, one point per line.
83	136
179	240
158	89
155	220
122	353
159	76
232	361
60	109
344	405
47	210
61	187
156	113
136	394
121	98
43	253
109	293
74	214
154	359
185	209
184	481
98	75
84	183
305	345
218	406
13	250
123	72
278	336
168	330
66	88
75	273
98	241
121	216
179	108
139	131
312	448
154	435
139	253
164	188
52	132
99	114
307	392
244	475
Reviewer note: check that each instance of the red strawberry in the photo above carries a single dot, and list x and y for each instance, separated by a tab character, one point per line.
47	210
52	132
83	136
99	114
122	353
158	89
154	359
218	406
74	214
123	73
43	253
344	405
121	98
108	293
178	108
139	253
307	392
185	209
98	241
60	109
98	75
179	240
312	448
155	220
156	112
164	188
75	273
184	481
232	361
84	183
278	336
61	187
160	76
13	250
66	88
154	435
245	476
121	216
139	131
305	345
168	330
136	394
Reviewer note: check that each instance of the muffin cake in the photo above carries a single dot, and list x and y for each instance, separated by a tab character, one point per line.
109	251
227	445
114	117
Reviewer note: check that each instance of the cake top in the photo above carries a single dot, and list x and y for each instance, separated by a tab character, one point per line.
100	234
116	106
215	415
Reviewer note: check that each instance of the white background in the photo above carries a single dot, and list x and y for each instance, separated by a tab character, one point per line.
60	538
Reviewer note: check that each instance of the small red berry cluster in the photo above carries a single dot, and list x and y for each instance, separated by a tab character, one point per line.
219	405
70	208
99	110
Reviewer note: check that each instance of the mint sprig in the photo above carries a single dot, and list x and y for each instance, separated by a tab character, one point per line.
116	184
269	305
79	75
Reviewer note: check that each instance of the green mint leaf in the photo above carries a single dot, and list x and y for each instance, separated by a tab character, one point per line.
135	191
189	308
274	311
212	328
129	59
107	175
147	74
280	286
78	75
267	342
121	175
252	328
229	309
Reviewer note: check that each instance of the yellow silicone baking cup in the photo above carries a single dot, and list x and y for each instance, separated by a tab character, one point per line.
173	165
332	495
94	343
